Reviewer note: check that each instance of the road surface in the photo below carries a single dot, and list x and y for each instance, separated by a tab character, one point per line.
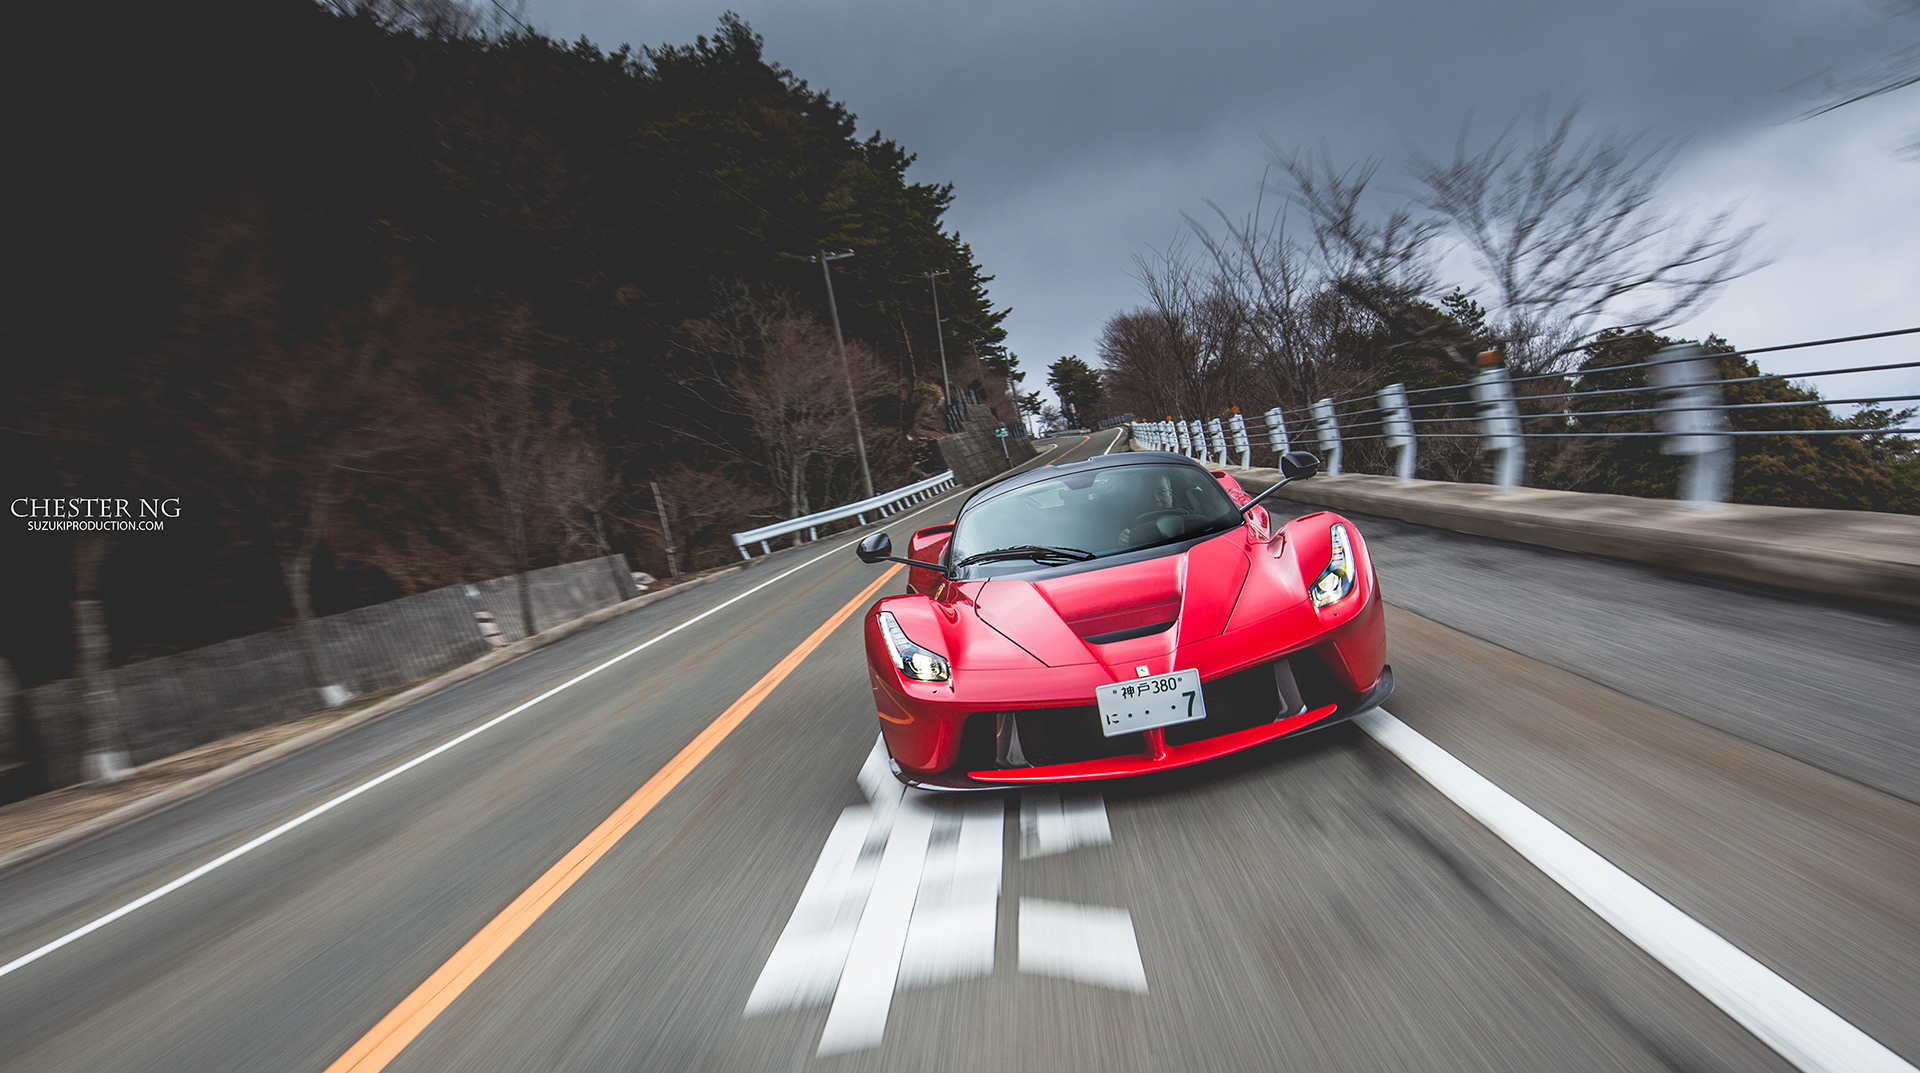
671	861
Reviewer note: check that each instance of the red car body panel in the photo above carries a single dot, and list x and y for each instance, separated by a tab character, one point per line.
1020	644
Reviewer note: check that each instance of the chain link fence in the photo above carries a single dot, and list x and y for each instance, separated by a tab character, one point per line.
171	703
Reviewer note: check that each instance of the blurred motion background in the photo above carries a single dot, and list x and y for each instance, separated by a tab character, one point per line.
445	323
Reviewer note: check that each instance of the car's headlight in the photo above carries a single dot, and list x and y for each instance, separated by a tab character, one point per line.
915	662
1335	583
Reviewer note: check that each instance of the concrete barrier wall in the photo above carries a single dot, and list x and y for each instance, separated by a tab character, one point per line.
176	702
1848	554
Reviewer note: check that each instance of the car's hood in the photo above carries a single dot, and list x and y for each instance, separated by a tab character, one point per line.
1072	618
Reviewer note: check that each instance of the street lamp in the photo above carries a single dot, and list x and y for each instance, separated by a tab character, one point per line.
853	401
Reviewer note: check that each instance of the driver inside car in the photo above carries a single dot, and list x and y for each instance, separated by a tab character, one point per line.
1154	499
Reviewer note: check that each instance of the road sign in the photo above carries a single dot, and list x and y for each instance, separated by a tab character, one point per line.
1000	432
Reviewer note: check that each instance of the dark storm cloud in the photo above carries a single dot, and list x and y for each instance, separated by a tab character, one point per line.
1076	133
1025	85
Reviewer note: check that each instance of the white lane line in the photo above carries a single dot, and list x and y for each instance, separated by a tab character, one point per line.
1052	824
1118	436
858	1018
1089	944
1784	1017
319	810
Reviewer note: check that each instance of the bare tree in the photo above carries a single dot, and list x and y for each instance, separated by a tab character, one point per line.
87	424
701	509
1138	363
1575	233
1295	310
1190	347
585	487
295	415
1382	259
759	358
516	418
436	18
103	742
795	400
1895	71
1260	271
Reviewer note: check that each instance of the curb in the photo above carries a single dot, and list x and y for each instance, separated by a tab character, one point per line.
200	784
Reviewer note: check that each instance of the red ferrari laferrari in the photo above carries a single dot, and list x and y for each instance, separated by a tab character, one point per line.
1129	614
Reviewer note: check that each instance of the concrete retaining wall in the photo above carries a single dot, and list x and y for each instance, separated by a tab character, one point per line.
176	702
976	454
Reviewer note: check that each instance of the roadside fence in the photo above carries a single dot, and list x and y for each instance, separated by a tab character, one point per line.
1683	397
170	703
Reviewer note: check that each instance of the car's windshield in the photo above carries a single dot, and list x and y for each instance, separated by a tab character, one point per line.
1102	511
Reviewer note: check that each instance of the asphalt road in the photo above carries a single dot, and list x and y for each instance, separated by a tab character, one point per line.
1312	906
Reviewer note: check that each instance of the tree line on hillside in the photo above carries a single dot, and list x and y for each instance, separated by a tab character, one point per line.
391	295
1339	292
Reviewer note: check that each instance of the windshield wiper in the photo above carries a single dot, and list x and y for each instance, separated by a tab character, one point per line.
1036	552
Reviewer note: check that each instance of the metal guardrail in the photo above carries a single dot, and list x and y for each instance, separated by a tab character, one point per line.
1688	409
881	505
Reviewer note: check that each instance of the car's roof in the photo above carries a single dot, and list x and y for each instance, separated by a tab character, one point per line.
1045	473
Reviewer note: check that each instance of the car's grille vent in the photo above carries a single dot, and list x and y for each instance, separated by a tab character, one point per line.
1128	635
1048	736
1237	702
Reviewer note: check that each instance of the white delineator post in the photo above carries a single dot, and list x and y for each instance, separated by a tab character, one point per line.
1500	421
1180	437
1277	432
1329	429
1695	425
1397	422
1216	441
1238	426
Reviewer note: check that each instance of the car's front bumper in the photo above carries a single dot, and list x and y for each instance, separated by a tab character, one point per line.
1158	754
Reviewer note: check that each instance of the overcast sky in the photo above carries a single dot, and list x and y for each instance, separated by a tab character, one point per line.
1077	133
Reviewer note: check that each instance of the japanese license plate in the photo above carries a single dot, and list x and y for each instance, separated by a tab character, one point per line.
1160	701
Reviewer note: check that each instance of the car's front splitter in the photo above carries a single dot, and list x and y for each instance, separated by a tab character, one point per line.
1159	755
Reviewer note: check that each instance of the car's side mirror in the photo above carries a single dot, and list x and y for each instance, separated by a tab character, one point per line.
1294	466
877	548
1299	465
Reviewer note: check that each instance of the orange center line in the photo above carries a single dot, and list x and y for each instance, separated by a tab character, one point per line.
397	1029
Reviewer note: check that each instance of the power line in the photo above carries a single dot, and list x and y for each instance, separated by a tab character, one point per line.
1581	374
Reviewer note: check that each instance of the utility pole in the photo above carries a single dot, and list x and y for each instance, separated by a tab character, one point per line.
940	337
853	401
666	532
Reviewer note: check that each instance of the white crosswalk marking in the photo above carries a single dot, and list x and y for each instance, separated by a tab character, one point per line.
858	1018
906	893
1050	823
804	968
1090	944
957	909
